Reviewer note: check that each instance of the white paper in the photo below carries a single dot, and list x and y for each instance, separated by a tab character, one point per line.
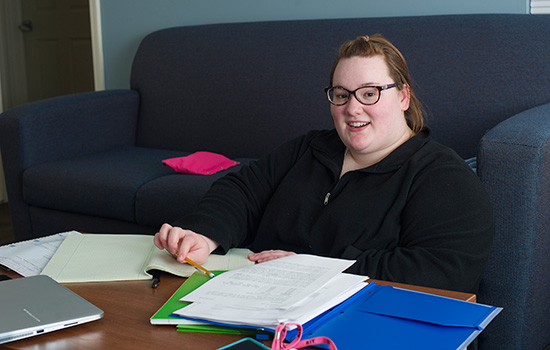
28	258
278	283
340	288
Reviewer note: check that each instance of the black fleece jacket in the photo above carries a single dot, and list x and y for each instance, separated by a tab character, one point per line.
419	216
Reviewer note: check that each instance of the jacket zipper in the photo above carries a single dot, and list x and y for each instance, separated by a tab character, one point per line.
327	196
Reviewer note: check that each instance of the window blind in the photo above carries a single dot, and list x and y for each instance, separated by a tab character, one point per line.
540	6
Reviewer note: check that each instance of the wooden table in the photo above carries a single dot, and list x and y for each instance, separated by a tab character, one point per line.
128	306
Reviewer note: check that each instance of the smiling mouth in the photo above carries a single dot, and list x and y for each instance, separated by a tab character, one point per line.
357	125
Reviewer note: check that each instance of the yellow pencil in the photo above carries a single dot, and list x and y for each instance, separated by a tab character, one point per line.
198	267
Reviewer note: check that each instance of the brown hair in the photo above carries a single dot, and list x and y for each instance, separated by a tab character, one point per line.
368	46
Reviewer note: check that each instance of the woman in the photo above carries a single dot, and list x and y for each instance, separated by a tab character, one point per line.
375	189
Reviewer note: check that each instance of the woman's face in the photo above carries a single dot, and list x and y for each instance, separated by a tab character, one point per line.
370	131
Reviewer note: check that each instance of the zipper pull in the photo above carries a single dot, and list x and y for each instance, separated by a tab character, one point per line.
326	198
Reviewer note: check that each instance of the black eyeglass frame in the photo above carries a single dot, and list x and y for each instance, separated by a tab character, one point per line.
380	89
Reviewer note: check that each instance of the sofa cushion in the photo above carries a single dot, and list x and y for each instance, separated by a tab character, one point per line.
168	198
101	184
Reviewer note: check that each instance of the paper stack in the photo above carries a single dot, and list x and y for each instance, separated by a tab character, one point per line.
293	289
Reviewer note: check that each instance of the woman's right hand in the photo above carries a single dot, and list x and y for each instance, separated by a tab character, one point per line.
184	243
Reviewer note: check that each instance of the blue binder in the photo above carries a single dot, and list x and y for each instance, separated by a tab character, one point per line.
385	317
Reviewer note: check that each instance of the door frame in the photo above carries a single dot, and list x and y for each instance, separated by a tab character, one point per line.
97	45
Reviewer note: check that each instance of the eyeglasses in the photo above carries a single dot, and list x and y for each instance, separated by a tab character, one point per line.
367	95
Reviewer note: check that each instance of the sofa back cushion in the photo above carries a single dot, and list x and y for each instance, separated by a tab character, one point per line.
242	89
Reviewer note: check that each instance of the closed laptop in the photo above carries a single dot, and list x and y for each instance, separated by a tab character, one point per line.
38	304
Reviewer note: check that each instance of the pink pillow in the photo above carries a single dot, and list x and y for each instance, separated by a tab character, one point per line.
203	163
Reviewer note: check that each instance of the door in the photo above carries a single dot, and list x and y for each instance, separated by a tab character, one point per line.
58	47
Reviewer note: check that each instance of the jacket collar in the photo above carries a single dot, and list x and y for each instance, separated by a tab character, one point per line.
329	150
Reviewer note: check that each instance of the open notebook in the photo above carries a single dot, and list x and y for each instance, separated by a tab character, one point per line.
38	304
118	257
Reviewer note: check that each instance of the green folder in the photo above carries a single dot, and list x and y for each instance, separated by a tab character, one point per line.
164	315
215	329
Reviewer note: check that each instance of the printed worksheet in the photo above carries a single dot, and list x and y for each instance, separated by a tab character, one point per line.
278	283
28	258
337	290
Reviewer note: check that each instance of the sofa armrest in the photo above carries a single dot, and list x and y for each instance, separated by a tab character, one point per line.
514	166
68	126
61	128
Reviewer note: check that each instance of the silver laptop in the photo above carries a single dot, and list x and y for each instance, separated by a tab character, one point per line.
35	305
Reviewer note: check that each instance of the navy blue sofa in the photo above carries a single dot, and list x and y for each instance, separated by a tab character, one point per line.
92	161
